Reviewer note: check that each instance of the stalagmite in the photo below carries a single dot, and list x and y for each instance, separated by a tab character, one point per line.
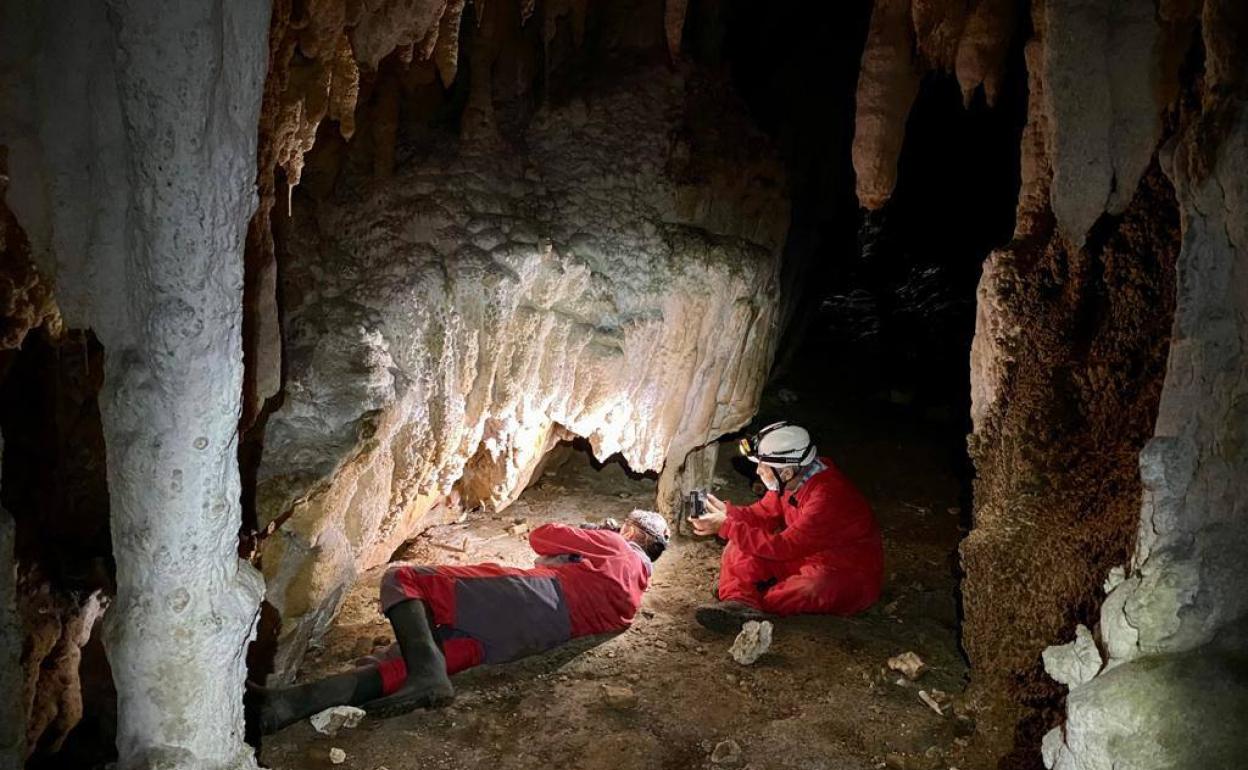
139	123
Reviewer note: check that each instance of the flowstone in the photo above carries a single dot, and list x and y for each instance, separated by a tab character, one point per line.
448	325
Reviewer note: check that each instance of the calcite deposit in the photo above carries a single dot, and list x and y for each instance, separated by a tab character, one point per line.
1174	690
133	157
447	325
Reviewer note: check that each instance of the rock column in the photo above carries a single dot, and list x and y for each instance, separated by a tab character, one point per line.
133	137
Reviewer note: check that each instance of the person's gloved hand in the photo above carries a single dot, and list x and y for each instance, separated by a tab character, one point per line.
713	520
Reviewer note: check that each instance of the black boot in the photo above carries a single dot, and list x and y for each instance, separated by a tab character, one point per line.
728	616
282	706
427	685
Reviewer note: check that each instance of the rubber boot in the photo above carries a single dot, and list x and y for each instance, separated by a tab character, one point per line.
282	706
427	684
728	616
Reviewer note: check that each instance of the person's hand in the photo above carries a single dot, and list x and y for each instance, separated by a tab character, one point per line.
715	505
713	520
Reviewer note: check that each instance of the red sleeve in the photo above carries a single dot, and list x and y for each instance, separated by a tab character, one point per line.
762	513
813	529
555	539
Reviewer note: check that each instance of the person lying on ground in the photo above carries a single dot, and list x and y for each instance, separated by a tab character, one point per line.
809	546
586	581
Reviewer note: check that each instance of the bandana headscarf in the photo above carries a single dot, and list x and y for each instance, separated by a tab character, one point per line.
653	524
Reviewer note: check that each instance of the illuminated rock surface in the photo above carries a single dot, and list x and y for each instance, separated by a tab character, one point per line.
447	325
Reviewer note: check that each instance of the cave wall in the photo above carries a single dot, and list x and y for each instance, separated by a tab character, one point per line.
1163	680
131	131
1069	353
603	266
1074	324
12	718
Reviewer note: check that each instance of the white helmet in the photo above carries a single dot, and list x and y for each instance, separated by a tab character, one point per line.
780	445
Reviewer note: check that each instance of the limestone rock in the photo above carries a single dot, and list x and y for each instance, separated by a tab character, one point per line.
726	753
752	642
331	720
910	665
887	85
1172	711
983	47
1174	692
1074	663
619	698
1101	63
445	327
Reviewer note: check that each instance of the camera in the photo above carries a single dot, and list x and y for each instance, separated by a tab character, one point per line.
695	504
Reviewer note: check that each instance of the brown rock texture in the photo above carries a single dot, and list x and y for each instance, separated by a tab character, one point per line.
1074	345
1174	625
57	625
1073	336
887	85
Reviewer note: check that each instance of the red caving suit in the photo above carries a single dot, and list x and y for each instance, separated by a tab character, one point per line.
587	582
816	550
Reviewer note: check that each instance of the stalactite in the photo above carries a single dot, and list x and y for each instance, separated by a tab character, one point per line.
887	85
980	59
674	25
446	52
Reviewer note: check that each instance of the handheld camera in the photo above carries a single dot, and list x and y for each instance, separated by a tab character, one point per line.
695	504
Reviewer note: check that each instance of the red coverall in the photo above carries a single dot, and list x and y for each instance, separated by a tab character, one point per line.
588	582
816	550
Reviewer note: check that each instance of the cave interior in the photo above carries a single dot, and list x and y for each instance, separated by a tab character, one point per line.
293	290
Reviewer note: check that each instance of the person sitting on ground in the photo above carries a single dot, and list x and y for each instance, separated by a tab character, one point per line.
809	546
586	581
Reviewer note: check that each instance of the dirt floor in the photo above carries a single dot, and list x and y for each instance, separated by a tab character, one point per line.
823	696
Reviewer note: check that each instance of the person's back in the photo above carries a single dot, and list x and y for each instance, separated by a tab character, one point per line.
853	536
603	584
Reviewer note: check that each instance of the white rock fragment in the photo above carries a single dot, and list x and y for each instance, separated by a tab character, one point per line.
1076	662
752	642
619	698
1115	578
337	756
930	702
910	665
335	718
727	752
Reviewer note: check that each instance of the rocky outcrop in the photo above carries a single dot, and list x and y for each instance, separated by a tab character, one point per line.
57	627
887	85
12	714
132	138
906	39
1174	626
1100	63
446	326
1068	357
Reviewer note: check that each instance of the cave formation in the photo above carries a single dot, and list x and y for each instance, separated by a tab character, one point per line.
286	286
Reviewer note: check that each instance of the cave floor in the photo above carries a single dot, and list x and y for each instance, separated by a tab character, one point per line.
821	698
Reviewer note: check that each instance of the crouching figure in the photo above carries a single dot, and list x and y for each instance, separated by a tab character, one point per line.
810	546
586	581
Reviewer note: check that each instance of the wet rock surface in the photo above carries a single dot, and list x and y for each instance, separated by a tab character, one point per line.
447	326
